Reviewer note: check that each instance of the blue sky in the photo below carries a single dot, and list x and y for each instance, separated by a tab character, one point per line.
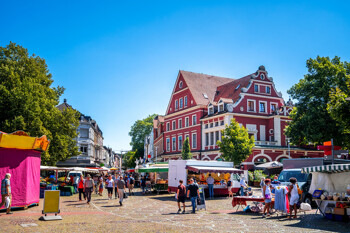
118	60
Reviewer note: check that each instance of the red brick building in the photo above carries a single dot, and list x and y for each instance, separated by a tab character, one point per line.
201	105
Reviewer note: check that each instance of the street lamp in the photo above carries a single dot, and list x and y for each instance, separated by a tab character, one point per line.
288	140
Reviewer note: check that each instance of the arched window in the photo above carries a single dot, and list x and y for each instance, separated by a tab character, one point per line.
180	84
262	77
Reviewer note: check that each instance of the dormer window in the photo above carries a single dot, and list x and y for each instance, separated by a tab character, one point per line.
262	77
180	85
211	110
221	107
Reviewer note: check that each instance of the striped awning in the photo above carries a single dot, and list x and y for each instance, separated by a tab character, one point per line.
335	168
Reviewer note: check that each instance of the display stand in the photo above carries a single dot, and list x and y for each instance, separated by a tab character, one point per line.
51	205
202	200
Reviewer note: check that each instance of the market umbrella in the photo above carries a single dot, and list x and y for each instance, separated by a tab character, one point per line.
113	169
273	164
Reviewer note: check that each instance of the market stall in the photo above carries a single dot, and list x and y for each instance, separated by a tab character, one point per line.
200	170
20	156
330	187
158	176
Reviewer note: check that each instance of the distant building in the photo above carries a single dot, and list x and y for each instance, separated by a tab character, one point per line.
89	142
202	105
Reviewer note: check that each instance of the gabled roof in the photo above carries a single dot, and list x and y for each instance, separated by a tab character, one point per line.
232	89
203	84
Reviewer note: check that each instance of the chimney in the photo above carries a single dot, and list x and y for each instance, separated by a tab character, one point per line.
65	100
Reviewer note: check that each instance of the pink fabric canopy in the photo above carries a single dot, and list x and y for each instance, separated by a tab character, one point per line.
24	167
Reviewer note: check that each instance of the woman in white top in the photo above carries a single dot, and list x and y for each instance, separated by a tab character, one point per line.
109	186
267	197
294	197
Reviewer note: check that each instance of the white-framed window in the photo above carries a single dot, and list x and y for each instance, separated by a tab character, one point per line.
207	139
221	107
180	84
211	125
84	133
187	136
206	126
211	138
174	143
256	88
262	77
222	123
176	104
211	110
84	149
168	126
180	124
181	103
217	136
262	107
168	144
273	107
187	121
185	98
174	125
216	123
268	90
251	105
194	120
180	142
194	141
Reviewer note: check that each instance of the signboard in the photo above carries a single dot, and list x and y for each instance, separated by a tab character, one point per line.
201	204
51	202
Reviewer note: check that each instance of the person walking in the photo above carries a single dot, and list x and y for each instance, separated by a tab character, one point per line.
181	196
131	182
143	184
267	197
121	188
109	186
6	192
229	187
193	194
210	182
81	182
100	185
75	183
88	187
294	197
243	185
116	179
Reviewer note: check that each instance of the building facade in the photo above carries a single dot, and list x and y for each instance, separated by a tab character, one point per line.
202	105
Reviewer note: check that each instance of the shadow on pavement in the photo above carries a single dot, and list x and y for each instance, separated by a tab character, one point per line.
163	198
76	204
109	206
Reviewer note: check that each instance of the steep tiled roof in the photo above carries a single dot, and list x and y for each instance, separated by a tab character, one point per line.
63	106
200	84
232	89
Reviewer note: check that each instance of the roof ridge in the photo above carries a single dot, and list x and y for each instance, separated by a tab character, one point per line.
210	75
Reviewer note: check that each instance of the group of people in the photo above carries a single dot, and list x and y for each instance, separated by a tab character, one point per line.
192	192
268	187
113	182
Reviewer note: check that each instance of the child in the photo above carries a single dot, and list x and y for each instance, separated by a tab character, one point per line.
294	197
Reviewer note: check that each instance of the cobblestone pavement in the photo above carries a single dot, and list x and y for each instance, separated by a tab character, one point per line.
157	213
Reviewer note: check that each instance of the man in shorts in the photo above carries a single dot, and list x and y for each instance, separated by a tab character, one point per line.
181	196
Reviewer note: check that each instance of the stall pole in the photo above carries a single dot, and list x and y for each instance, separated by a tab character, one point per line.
56	176
332	151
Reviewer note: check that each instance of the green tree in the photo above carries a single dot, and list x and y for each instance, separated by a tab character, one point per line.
339	108
139	130
235	144
129	159
312	122
186	150
28	102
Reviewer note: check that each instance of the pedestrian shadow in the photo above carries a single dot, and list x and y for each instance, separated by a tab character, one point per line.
76	204
109	206
69	201
163	198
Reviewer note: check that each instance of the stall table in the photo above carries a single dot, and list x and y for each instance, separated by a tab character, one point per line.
241	200
160	188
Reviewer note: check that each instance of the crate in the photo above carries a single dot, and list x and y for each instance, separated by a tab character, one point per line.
329	216
339	218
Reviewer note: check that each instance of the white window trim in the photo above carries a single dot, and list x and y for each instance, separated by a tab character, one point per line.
271	103
172	144
180	103
194	146
188	120
185	102
187	135
266	112
168	126
168	149
178	142
254	88
267	86
223	107
179	125
173	128
176	104
180	84
193	120
209	108
248	105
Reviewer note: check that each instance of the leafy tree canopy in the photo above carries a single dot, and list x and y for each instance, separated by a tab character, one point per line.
235	145
28	102
186	150
139	130
129	159
312	121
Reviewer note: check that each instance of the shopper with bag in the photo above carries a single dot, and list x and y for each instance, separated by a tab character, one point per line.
267	197
121	188
193	194
88	187
6	193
